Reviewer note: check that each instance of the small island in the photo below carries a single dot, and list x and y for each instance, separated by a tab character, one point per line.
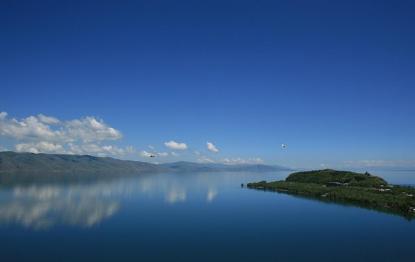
361	189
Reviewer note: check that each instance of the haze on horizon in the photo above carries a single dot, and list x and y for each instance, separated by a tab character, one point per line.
214	81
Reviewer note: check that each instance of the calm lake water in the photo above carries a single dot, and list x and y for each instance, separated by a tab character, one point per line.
193	217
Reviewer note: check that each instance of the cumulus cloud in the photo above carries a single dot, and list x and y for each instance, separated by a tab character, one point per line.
40	147
90	129
47	134
175	145
96	149
46	128
48	119
211	147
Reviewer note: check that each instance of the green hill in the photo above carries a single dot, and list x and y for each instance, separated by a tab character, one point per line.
333	176
345	187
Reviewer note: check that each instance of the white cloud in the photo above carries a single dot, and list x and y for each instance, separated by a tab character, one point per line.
155	154
175	145
46	128
211	147
238	160
205	159
47	134
30	128
145	154
90	129
48	119
97	149
174	154
3	115
40	147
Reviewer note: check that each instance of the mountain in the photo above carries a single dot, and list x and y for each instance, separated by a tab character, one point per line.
28	167
213	167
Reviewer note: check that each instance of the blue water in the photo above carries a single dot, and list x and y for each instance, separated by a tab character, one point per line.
193	217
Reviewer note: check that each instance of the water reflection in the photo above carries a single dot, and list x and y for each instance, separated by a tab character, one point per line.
41	207
211	194
87	205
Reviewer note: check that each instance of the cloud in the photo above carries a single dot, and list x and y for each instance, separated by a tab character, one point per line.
47	128
90	129
40	147
48	119
3	115
145	154
205	159
99	150
47	134
30	128
175	145
211	147
149	154
238	160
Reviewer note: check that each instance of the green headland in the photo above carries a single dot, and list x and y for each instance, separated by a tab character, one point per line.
361	189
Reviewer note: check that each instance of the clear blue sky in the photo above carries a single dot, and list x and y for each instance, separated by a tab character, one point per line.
334	80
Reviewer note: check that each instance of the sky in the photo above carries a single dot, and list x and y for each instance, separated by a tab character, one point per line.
211	81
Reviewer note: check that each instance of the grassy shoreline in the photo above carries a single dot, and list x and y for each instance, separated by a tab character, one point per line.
362	190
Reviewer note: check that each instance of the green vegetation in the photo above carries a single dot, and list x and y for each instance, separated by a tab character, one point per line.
363	190
333	176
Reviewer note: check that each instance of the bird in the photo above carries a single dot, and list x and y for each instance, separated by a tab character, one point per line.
283	146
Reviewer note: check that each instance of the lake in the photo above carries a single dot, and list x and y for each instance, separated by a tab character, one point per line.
194	217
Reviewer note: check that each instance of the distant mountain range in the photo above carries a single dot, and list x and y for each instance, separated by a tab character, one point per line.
213	167
29	167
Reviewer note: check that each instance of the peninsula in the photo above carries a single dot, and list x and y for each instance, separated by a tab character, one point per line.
361	189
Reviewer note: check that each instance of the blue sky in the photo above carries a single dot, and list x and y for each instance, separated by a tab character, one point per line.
334	80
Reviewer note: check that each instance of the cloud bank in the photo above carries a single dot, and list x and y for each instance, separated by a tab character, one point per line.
47	134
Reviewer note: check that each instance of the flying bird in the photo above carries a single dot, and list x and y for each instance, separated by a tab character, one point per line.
283	146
